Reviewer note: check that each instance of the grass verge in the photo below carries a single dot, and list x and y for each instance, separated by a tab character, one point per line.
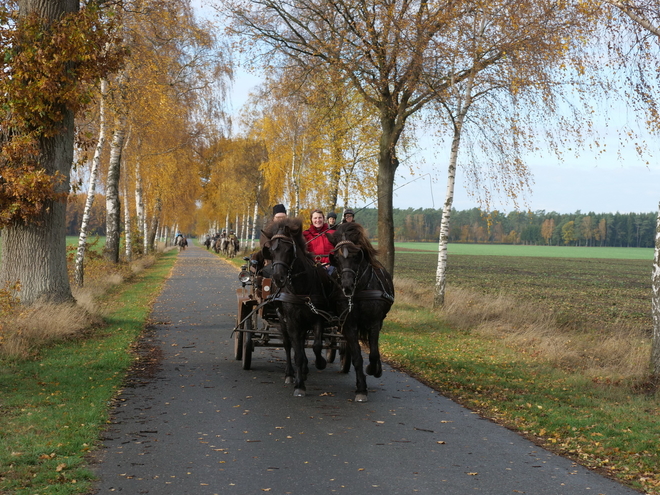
608	426
53	408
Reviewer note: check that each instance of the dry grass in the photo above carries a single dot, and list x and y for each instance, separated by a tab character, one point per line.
24	330
43	323
609	354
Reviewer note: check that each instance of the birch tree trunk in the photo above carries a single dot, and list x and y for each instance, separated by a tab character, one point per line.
464	103
244	228
34	253
139	200
655	305
145	233
127	226
254	222
112	206
79	273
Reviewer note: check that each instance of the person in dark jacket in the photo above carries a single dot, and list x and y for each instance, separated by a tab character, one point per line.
332	221
349	216
279	212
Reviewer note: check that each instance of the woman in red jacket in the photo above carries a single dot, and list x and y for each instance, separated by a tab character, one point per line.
317	243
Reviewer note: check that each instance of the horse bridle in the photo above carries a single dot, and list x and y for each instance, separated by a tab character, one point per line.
288	267
356	275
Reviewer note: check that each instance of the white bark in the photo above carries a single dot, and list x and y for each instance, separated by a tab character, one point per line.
655	304
464	102
91	192
139	200
244	227
128	233
254	219
633	12
145	232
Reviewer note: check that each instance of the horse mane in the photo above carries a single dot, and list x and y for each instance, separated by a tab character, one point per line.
355	233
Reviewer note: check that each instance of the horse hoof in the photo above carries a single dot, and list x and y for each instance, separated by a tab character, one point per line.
299	393
288	380
361	398
370	371
321	364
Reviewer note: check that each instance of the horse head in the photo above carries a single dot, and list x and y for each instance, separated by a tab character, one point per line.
283	246
351	249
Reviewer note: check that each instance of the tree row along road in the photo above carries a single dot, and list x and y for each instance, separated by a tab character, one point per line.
196	422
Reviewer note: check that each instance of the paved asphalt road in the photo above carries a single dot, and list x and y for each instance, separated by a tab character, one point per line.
197	423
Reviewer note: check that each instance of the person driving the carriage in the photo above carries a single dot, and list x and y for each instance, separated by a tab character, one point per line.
317	242
279	213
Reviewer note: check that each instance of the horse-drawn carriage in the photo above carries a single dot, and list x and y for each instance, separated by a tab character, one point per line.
297	304
257	321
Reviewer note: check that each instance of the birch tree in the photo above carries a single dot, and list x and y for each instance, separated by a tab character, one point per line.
509	93
91	190
637	49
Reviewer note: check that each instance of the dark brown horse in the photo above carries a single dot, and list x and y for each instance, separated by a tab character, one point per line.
369	295
302	296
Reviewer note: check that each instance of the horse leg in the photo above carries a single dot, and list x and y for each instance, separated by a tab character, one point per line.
353	349
321	363
288	370
375	366
299	389
345	359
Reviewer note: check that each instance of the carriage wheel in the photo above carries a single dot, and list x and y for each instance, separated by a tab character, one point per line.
238	345
248	346
247	350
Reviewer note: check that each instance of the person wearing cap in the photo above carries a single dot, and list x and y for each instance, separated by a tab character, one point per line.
349	216
332	221
317	242
279	212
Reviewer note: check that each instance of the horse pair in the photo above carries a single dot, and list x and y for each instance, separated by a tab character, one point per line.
361	295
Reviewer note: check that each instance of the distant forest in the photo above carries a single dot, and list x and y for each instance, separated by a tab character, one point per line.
534	228
473	226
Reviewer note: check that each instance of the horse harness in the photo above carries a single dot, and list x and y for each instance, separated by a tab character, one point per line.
363	294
